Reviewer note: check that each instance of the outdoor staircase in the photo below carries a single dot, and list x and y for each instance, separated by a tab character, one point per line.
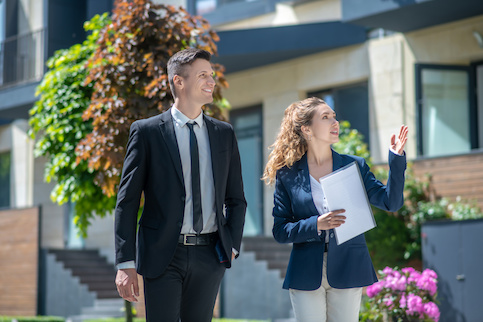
267	249
91	268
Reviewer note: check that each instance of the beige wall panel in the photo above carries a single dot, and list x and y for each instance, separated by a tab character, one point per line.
5	138
52	214
451	43
309	73
176	3
287	14
52	226
335	68
101	236
253	86
273	111
385	93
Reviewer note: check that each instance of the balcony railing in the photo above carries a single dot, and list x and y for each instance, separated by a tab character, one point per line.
22	58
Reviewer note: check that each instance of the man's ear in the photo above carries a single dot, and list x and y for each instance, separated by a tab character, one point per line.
178	81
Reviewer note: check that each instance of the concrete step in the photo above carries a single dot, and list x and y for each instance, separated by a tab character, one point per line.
103	308
91	268
268	250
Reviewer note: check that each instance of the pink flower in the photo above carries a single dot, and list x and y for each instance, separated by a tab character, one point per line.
414	277
430	273
374	289
396	282
414	304
387	270
402	301
427	281
408	290
408	270
432	311
388	301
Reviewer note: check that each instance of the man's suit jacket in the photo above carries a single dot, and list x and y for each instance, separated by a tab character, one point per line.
295	221
152	166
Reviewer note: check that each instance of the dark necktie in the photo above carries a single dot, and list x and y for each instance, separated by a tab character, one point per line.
195	181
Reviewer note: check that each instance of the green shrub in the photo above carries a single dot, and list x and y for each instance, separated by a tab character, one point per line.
31	319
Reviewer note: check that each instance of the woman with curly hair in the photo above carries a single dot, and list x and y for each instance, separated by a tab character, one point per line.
324	279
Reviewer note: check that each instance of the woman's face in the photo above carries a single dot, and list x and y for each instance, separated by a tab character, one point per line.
324	128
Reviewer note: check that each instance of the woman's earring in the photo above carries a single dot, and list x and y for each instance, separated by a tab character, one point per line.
309	137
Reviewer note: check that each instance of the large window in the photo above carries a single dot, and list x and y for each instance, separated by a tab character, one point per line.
247	123
4	180
446	112
351	103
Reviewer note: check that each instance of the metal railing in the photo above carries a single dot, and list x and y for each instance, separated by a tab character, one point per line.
22	58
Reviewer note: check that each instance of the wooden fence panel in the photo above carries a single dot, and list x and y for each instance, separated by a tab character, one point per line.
19	251
455	176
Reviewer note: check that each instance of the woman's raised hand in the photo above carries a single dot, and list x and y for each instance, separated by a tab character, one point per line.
397	144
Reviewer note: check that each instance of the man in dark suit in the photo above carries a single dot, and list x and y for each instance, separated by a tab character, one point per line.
188	167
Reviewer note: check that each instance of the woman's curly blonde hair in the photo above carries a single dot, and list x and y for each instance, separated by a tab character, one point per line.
291	143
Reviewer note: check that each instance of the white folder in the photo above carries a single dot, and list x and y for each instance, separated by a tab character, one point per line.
344	189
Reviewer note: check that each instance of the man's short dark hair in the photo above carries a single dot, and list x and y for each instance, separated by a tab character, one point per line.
178	62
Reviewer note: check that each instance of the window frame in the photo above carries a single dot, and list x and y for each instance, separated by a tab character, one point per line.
240	112
472	106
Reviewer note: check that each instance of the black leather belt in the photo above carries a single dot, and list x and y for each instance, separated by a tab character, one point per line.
326	247
197	240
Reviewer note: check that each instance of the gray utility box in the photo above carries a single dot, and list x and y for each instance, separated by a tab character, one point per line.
454	250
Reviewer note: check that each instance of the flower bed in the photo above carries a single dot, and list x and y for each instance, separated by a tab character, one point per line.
404	295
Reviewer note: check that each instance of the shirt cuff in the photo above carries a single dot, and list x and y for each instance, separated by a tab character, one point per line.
394	151
126	265
234	251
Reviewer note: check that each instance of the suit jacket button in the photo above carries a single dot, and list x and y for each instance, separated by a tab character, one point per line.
183	199
331	235
180	224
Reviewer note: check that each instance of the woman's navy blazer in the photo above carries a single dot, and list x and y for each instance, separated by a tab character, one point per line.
295	221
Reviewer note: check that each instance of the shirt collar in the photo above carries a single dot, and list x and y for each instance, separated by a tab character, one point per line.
182	119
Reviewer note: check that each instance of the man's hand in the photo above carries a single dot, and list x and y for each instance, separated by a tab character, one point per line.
127	284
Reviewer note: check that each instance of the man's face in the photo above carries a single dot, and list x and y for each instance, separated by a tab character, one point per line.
198	83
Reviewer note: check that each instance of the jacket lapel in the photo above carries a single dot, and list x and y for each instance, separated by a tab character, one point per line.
167	130
303	178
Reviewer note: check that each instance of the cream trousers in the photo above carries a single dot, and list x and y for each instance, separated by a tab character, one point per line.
326	304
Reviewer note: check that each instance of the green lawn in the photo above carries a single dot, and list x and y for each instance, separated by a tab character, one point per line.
59	319
143	320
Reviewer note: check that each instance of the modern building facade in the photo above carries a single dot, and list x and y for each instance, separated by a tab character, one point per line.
379	63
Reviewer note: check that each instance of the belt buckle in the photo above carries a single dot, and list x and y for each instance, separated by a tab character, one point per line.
185	240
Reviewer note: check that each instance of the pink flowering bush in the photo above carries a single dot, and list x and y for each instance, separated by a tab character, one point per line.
404	295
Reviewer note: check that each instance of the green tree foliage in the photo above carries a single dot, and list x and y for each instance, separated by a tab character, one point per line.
56	121
94	91
352	142
128	71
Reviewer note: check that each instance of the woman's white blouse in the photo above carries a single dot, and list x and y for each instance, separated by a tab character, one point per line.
319	200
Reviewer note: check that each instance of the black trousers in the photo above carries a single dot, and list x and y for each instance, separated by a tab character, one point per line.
187	289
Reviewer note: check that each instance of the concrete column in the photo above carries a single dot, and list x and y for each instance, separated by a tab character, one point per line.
273	111
22	165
